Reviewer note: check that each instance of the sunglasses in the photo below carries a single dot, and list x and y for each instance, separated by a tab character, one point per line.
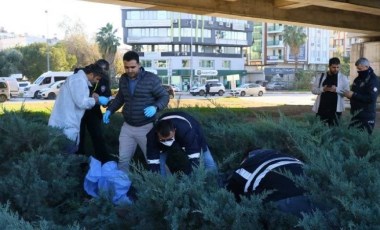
165	140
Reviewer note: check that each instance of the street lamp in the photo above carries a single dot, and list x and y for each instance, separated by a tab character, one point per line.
191	50
47	41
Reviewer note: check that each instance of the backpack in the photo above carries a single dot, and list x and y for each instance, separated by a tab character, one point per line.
320	79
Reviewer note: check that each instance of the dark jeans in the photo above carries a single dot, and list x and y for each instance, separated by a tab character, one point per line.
296	205
93	122
330	119
364	124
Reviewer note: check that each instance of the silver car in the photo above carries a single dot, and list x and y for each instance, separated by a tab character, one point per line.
251	89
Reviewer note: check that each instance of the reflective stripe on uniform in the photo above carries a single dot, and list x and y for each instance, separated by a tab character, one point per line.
177	117
265	164
262	175
244	173
194	155
153	161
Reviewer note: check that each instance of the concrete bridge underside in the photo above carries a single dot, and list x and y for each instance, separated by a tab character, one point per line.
357	16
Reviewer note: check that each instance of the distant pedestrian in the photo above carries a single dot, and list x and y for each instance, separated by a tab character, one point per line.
329	87
207	89
188	87
363	96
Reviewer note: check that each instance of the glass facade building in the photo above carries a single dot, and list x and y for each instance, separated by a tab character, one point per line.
185	48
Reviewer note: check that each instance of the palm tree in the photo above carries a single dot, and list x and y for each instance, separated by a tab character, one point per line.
108	43
294	37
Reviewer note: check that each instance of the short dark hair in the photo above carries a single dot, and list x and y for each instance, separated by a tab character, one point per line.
164	127
94	69
131	55
103	64
334	61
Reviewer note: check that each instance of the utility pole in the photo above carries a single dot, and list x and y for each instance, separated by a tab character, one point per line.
47	42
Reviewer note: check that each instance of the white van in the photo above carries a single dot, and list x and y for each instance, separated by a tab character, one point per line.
4	91
12	85
43	81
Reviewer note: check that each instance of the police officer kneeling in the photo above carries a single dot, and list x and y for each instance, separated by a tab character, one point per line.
262	170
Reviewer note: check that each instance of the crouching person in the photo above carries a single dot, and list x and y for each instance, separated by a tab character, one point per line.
181	130
262	170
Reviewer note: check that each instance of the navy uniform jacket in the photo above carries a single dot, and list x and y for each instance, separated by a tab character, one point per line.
365	90
262	171
103	89
188	135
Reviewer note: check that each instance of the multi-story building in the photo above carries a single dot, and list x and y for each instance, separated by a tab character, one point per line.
187	49
277	58
341	43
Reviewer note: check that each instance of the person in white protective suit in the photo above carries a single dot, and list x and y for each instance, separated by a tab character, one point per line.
73	100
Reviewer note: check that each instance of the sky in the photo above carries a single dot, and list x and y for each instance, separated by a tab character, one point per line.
29	16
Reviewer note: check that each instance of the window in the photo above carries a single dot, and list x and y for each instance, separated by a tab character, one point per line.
185	48
146	63
226	64
46	81
206	63
206	49
163	48
186	63
162	63
3	85
149	32
59	78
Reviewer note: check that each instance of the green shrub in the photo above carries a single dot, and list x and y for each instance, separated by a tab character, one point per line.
342	171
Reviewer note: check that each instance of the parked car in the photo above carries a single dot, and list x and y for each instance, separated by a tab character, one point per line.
43	81
4	91
215	88
276	85
175	88
251	89
21	87
170	90
52	91
262	82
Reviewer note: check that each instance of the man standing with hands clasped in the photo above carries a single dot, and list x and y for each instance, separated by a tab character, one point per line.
363	96
329	104
142	95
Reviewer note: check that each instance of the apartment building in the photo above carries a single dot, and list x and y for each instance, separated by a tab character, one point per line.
275	59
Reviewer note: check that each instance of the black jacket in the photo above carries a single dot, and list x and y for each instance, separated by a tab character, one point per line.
365	88
262	171
188	136
103	89
148	92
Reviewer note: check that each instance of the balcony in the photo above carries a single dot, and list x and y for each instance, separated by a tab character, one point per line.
275	29
275	43
275	58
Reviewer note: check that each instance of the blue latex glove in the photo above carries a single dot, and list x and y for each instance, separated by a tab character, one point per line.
103	100
150	111
106	117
